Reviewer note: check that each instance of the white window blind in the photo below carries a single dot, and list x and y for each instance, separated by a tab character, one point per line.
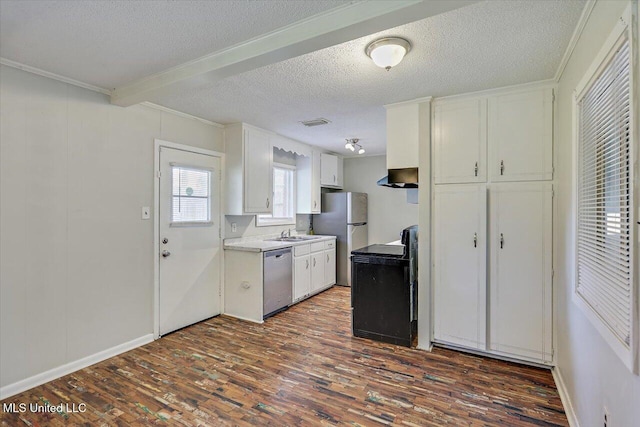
603	232
191	195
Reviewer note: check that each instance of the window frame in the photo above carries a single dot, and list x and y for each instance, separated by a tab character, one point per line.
192	223
621	32
269	220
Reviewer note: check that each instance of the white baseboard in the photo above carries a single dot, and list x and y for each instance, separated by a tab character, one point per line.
60	371
564	396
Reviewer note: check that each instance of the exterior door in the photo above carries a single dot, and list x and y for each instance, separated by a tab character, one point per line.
189	231
460	265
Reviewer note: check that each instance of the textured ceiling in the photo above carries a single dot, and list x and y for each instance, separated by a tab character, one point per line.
111	43
482	46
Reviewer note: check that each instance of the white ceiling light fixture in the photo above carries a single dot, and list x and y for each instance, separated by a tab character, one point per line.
352	144
388	51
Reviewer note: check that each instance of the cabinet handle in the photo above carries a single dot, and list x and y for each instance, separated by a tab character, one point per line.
476	169
307	267
501	167
267	202
501	241
475	240
314	261
327	257
334	179
315	203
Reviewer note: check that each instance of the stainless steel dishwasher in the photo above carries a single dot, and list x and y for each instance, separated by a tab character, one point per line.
278	281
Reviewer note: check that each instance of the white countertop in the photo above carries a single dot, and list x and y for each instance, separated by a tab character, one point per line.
262	243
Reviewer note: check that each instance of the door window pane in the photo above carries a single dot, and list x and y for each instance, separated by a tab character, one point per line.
191	195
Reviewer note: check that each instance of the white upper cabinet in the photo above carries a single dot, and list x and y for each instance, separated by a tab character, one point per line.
520	136
249	158
521	271
330	170
460	141
308	183
514	126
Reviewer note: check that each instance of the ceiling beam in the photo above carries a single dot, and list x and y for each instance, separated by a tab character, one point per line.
335	26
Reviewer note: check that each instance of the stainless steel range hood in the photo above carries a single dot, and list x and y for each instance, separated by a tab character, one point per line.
400	178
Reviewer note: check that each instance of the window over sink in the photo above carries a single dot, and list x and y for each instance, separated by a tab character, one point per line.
284	197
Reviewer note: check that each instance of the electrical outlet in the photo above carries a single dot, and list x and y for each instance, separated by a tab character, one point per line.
234	227
146	212
605	416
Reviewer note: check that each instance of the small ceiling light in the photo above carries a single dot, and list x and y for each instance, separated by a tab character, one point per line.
352	144
388	52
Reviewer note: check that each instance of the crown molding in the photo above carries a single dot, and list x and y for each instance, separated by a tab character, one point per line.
577	32
54	76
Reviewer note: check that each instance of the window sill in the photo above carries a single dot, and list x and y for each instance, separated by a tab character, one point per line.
273	222
619	348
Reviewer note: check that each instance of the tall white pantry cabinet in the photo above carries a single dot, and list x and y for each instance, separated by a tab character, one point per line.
493	199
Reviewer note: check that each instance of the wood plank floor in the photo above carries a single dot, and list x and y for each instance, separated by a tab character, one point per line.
302	367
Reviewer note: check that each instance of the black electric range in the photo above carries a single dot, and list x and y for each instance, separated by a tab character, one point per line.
384	291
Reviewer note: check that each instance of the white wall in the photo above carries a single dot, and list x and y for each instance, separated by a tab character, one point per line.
389	212
76	260
593	374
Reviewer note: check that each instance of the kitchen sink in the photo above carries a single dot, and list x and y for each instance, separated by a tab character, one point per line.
293	238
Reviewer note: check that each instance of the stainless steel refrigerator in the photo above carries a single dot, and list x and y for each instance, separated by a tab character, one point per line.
344	215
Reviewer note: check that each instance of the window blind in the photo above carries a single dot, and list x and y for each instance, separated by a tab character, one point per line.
191	195
603	232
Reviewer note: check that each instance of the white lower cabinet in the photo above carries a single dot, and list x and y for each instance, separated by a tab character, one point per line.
330	267
460	258
301	277
314	268
521	271
317	271
506	310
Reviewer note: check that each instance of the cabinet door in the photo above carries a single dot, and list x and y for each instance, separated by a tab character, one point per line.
460	141
258	157
328	170
330	267
520	286
520	136
308	184
317	271
301	277
460	265
316	199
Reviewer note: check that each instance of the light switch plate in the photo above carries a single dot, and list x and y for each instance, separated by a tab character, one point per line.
234	227
146	212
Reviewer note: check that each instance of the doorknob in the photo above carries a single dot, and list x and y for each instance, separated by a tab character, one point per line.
165	253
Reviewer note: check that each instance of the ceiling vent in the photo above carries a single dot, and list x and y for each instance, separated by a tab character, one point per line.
316	122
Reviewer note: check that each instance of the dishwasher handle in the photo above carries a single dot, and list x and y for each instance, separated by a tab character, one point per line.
277	252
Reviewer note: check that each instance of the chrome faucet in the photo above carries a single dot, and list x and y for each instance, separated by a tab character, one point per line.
284	234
